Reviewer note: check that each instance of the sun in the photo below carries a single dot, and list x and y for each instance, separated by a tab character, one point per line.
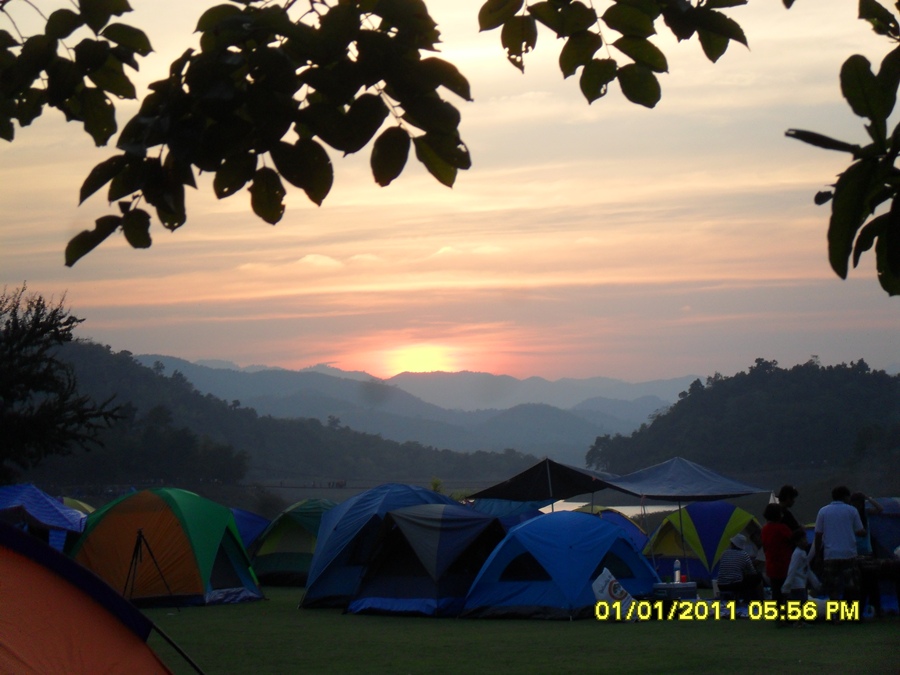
420	358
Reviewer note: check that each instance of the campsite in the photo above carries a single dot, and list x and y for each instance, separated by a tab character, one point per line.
400	578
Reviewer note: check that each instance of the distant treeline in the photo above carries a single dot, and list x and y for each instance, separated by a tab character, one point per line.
807	416
170	433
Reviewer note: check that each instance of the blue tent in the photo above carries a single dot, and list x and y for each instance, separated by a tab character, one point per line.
679	479
33	510
250	525
426	559
509	512
698	535
611	515
544	568
346	537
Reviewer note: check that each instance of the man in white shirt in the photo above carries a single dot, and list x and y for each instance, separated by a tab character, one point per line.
837	526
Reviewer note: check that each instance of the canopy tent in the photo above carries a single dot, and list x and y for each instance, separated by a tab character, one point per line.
547	481
426	559
509	513
679	479
544	568
634	531
284	550
697	535
36	512
346	537
57	617
168	546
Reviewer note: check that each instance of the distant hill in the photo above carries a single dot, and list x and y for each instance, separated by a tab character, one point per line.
527	423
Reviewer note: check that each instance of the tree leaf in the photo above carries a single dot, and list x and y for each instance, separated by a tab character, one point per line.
714	45
849	209
364	118
129	37
305	164
888	79
821	141
136	227
628	21
267	195
643	52
595	78
447	75
62	23
860	87
883	22
211	18
233	174
887	259
437	166
548	14
389	154
87	240
722	4
111	77
639	85
576	17
96	13
30	106
578	51
518	37
718	23
495	13
100	175
99	115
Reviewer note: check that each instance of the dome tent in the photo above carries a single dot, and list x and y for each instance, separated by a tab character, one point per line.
346	538
282	553
545	566
168	546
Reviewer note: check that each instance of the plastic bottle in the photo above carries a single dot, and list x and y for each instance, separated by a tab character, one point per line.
676	576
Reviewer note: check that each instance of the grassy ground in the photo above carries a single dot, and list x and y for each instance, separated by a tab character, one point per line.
273	636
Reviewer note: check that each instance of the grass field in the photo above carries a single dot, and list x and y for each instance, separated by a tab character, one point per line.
273	636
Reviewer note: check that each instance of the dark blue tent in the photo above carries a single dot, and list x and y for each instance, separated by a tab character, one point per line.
36	512
250	525
510	513
426	559
346	538
544	568
611	515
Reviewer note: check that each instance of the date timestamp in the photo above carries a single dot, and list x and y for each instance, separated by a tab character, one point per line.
699	610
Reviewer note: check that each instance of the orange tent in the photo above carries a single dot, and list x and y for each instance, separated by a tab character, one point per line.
56	617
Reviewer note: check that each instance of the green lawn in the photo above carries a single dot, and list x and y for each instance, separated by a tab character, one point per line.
273	636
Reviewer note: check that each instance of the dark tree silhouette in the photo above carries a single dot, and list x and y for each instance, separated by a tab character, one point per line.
41	410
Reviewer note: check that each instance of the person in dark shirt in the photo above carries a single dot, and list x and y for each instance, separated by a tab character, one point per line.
737	573
787	495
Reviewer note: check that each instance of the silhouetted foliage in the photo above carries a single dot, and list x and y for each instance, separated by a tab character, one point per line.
42	412
803	417
274	83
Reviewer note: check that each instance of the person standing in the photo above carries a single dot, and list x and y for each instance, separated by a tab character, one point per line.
837	526
778	547
869	566
786	496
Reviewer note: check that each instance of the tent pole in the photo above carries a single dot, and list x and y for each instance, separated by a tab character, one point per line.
550	489
681	528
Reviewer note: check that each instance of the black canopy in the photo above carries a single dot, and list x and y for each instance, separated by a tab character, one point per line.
547	480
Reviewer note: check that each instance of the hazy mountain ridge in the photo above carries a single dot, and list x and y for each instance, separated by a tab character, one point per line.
531	422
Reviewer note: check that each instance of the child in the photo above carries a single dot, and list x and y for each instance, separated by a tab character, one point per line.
799	576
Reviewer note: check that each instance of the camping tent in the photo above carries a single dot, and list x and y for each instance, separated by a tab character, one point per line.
57	617
284	550
884	527
544	568
634	531
546	481
425	560
36	512
250	525
706	528
168	546
346	536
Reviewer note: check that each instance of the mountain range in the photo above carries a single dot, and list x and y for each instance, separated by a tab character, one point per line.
462	411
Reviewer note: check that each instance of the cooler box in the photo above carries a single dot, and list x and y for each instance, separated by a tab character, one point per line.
687	589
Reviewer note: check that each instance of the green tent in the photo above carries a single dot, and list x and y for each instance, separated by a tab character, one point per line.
168	546
282	553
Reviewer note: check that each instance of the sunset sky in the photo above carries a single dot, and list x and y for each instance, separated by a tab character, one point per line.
586	240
